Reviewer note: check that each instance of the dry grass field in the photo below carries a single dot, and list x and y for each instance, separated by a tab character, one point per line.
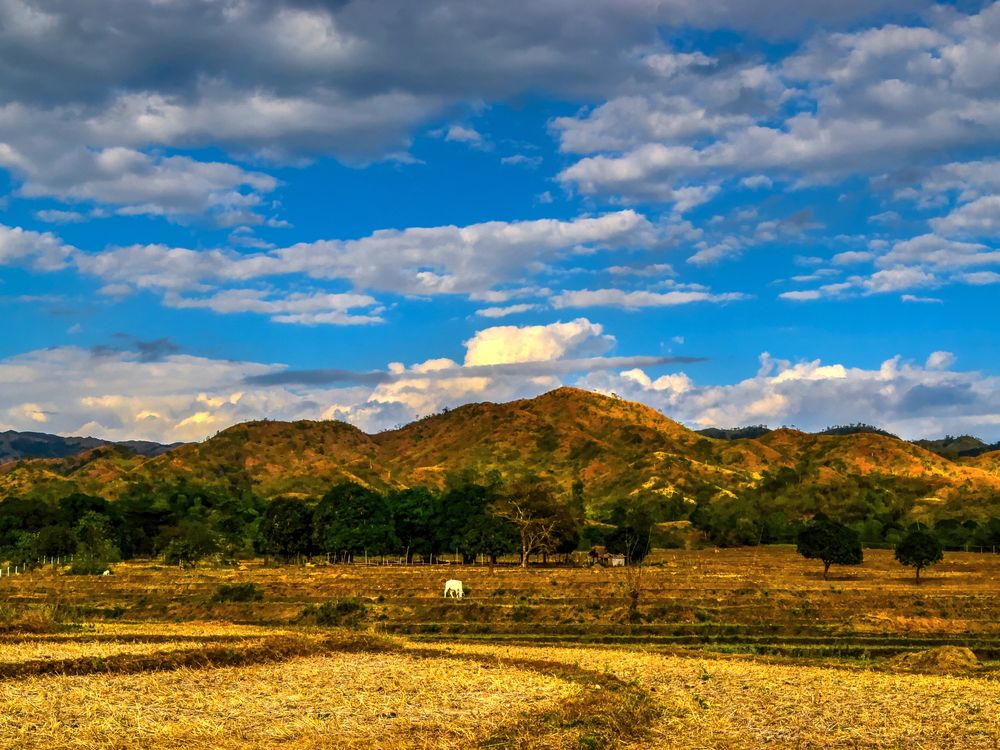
735	648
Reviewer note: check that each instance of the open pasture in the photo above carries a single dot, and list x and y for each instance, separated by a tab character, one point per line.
740	648
764	600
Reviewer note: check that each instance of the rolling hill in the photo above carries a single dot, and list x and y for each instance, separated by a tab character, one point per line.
619	450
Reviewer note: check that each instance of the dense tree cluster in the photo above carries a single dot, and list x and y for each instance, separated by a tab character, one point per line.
185	523
528	517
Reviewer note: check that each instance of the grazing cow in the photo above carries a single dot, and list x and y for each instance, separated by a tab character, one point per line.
453	588
106	573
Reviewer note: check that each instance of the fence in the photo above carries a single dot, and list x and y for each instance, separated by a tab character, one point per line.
18	569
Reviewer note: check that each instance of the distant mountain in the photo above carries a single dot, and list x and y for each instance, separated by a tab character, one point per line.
963	445
618	450
735	433
860	428
18	445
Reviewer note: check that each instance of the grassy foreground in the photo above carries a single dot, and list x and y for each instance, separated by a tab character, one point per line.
731	649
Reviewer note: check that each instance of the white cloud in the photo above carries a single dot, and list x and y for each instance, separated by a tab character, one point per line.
934	251
757	182
141	184
464	134
54	216
475	260
41	250
905	398
503	312
302	308
867	101
510	344
638	299
979	218
940	360
121	395
521	160
461	260
851	257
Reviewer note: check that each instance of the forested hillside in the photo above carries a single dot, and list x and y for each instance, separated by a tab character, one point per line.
609	463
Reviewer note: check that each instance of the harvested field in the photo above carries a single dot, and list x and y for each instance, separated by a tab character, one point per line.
325	689
385	700
738	703
730	649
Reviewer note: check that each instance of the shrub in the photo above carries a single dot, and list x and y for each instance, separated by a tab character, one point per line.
86	566
238	592
345	613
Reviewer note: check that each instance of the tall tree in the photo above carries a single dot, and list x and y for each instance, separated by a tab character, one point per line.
919	549
352	519
530	504
830	542
287	528
414	512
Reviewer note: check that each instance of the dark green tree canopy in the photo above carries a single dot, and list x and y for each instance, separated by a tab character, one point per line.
919	549
353	519
415	513
55	541
286	528
830	542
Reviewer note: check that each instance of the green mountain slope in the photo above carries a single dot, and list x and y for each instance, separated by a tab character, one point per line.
619	450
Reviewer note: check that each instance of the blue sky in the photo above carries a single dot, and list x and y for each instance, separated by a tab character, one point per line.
736	212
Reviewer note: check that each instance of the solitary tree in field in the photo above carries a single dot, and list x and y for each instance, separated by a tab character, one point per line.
919	549
831	542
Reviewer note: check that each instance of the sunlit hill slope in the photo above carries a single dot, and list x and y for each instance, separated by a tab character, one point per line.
619	450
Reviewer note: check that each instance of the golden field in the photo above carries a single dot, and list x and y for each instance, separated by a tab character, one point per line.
741	648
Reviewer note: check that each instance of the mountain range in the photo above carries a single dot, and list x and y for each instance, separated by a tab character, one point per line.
618	450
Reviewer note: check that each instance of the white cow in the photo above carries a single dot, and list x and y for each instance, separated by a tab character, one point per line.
106	573
453	588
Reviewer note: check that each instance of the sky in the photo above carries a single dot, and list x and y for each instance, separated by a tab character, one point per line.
735	211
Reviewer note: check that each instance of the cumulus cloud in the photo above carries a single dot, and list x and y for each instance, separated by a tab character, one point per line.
137	183
504	311
324	78
909	399
978	218
123	393
425	261
152	390
40	250
865	101
510	344
478	260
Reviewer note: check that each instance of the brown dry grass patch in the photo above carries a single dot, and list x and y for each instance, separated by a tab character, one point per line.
730	704
346	700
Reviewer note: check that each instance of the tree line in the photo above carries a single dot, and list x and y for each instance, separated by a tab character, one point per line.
185	522
489	517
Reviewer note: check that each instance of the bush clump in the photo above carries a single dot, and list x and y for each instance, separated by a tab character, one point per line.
344	613
238	592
